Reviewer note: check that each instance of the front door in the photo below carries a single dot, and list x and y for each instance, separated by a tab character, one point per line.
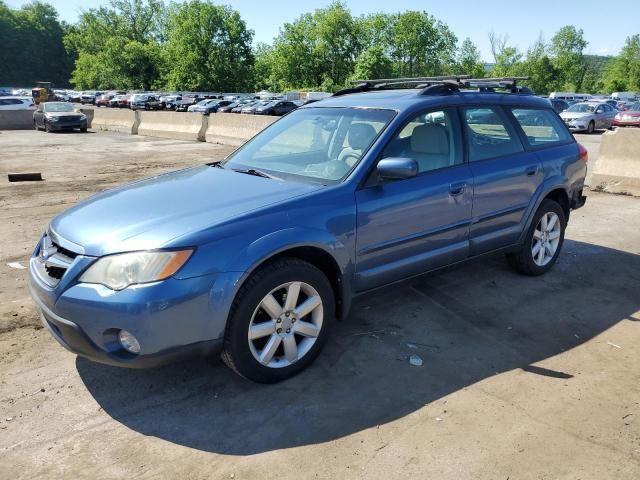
407	227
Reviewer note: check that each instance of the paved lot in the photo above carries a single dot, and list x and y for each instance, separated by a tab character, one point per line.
523	378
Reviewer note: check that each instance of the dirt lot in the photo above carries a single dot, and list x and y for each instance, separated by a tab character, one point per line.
523	378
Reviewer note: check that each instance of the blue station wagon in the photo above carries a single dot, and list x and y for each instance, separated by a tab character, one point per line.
257	255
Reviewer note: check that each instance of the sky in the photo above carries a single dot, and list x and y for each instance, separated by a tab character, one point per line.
605	29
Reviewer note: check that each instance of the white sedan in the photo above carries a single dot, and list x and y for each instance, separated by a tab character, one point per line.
17	103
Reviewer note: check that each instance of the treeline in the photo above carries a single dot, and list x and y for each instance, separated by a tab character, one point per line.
197	45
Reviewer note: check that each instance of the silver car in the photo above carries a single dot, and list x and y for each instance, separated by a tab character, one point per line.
589	116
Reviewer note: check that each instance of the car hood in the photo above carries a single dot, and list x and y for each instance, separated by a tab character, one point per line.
575	115
150	213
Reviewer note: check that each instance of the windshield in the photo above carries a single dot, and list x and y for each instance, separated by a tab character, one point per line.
320	145
582	108
58	107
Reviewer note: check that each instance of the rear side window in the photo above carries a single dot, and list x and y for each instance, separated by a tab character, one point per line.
541	127
489	134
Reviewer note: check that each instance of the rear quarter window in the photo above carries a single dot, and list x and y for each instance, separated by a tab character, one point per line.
541	127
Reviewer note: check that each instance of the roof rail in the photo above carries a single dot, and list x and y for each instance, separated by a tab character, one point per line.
387	83
440	85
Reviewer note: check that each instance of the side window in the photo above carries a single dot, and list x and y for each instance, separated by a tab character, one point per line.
489	135
541	127
431	139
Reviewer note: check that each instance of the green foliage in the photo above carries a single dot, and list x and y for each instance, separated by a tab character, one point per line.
567	47
208	48
623	72
32	46
468	61
372	63
198	45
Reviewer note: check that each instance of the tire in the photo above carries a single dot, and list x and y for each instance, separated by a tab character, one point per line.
83	130
523	261
243	355
46	127
35	126
591	127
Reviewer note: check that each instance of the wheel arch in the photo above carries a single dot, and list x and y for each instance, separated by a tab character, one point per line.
321	259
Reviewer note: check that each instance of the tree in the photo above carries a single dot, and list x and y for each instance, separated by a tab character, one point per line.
208	47
498	44
567	47
372	63
623	73
468	60
117	46
420	45
32	46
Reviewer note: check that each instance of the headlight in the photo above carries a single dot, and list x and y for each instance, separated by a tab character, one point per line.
53	118
121	270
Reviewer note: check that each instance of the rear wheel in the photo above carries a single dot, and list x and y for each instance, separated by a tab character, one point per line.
279	321
543	241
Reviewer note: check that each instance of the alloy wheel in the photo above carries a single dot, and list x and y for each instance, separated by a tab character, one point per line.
546	238
285	324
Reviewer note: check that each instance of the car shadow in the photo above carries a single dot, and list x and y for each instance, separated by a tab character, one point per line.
467	324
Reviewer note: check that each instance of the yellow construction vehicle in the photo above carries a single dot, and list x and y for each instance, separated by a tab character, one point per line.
43	92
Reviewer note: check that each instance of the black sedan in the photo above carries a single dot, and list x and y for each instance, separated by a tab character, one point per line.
58	116
277	107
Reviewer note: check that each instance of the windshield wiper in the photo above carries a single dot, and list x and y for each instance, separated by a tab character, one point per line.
216	164
254	172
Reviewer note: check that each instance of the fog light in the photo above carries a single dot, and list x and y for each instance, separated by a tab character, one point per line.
129	342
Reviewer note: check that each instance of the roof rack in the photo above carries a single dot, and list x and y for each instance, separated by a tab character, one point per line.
389	83
440	85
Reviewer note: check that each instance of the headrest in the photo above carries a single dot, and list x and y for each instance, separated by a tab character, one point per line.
360	135
430	138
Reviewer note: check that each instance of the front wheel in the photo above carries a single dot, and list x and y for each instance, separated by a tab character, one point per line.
543	241
46	127
279	321
591	127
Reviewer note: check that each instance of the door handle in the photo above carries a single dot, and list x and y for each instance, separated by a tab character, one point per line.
531	171
457	188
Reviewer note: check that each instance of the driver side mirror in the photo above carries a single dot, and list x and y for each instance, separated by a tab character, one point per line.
397	168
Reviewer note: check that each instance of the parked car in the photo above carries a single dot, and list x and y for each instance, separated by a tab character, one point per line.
277	108
589	116
203	106
17	103
104	100
143	101
629	117
559	105
89	97
186	101
53	116
244	256
251	108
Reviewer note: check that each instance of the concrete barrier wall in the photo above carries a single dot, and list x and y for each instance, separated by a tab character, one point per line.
113	120
182	126
618	167
16	119
235	129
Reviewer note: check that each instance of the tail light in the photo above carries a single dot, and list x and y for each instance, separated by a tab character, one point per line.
584	153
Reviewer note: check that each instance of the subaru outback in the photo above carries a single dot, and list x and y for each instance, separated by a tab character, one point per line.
257	255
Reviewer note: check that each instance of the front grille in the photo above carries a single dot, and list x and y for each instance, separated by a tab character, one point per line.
55	272
53	261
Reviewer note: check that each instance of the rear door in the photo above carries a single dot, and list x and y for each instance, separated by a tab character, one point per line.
505	177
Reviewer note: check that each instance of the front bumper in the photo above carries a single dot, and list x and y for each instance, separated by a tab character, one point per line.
627	123
171	319
67	125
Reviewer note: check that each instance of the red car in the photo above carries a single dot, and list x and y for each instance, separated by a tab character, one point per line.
628	118
103	100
